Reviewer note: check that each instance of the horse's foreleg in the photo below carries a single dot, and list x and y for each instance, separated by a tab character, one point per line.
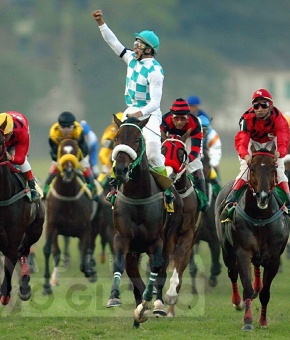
270	272
24	288
257	285
119	267
230	262
55	279
215	269
46	252
156	262
193	272
5	290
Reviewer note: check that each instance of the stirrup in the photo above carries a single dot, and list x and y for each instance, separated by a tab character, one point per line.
169	207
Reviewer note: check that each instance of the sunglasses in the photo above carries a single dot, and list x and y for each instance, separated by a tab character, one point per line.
263	105
179	118
140	45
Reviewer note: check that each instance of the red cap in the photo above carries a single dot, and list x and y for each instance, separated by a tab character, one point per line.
262	94
180	107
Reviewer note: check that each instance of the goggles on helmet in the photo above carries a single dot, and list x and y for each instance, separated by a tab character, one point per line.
140	45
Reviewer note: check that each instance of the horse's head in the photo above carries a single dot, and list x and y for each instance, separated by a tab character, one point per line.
174	151
68	157
262	175
129	147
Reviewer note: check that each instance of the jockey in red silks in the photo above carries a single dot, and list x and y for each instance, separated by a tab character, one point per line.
17	138
262	125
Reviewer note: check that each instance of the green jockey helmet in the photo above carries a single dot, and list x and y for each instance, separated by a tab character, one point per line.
149	38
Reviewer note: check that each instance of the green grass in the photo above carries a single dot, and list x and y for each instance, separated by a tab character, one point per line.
77	308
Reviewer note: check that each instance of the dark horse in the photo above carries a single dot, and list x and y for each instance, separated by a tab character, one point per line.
180	227
207	230
257	234
21	225
70	211
138	217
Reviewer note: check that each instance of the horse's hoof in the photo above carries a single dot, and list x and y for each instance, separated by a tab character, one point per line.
25	297
170	315
141	313
54	283
46	291
213	281
159	309
247	327
171	300
116	302
93	278
239	306
5	300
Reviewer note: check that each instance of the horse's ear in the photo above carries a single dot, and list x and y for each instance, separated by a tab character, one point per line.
273	149
117	120
253	149
186	135
143	122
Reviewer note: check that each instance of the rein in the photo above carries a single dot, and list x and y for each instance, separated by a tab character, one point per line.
127	149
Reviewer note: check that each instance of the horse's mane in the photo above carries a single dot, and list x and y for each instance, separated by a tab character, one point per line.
264	150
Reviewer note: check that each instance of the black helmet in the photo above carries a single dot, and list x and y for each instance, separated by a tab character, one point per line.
66	119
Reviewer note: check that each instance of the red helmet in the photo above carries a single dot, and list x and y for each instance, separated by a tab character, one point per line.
180	107
262	94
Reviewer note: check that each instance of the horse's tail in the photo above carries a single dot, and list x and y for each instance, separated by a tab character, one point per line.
3	241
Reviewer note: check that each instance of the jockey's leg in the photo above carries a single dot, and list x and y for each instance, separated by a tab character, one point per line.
285	187
169	196
31	183
90	179
51	175
214	179
199	183
231	198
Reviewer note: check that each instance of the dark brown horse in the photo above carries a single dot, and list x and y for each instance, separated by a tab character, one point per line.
21	225
257	235
70	212
207	230
180	227
138	217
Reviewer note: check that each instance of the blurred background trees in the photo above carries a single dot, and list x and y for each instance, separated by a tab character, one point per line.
53	57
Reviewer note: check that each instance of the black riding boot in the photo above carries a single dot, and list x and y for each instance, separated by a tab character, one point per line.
199	183
111	196
34	194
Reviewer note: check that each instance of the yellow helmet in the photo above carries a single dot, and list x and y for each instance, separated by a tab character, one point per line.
119	115
6	123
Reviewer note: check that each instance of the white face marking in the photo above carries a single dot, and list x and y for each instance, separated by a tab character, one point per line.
68	149
263	164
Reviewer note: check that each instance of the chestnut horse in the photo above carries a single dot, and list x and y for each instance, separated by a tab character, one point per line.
138	217
21	225
180	227
70	212
257	235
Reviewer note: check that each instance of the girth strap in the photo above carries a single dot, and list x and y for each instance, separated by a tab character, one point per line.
142	201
